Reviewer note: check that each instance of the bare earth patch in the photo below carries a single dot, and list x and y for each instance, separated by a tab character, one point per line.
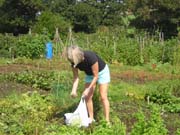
141	77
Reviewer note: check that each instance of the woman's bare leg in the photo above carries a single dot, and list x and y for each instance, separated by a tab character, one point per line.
103	89
89	101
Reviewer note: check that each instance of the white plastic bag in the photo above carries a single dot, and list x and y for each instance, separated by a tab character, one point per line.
79	117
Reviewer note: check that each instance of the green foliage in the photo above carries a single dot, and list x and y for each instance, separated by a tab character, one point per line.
120	47
162	14
31	46
165	95
60	6
129	53
122	106
55	129
138	128
18	16
153	52
7	46
85	18
36	79
178	132
152	126
58	82
47	23
105	129
61	89
30	113
153	65
101	128
24	114
111	13
1	2
169	49
176	55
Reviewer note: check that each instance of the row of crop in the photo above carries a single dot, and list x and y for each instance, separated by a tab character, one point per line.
167	95
56	82
39	79
29	46
23	114
137	50
32	113
111	45
165	92
42	80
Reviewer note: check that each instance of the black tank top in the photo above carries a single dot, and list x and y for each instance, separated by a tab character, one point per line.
90	58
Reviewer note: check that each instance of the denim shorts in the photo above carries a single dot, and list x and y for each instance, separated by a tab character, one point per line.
103	76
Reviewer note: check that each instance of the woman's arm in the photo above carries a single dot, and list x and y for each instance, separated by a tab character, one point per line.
95	70
75	82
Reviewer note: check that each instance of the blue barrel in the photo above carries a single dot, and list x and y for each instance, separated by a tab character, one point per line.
49	50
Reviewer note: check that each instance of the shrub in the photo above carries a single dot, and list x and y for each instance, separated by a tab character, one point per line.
166	95
7	46
152	126
85	18
24	114
48	21
31	46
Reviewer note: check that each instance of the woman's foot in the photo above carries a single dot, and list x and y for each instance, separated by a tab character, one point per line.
91	120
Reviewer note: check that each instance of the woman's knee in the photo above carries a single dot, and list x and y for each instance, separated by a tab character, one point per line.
89	97
104	98
103	92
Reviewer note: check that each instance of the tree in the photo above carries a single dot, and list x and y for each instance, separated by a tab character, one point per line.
18	15
111	13
85	17
156	14
48	21
60	6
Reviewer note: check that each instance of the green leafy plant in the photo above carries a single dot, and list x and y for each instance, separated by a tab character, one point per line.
152	126
24	114
30	46
36	79
178	132
165	95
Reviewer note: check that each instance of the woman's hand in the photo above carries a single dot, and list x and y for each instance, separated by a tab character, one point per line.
73	94
86	92
75	83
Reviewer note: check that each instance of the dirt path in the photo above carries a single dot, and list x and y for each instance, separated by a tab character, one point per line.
141	77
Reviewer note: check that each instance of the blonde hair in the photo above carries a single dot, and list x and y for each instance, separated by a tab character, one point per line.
74	54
